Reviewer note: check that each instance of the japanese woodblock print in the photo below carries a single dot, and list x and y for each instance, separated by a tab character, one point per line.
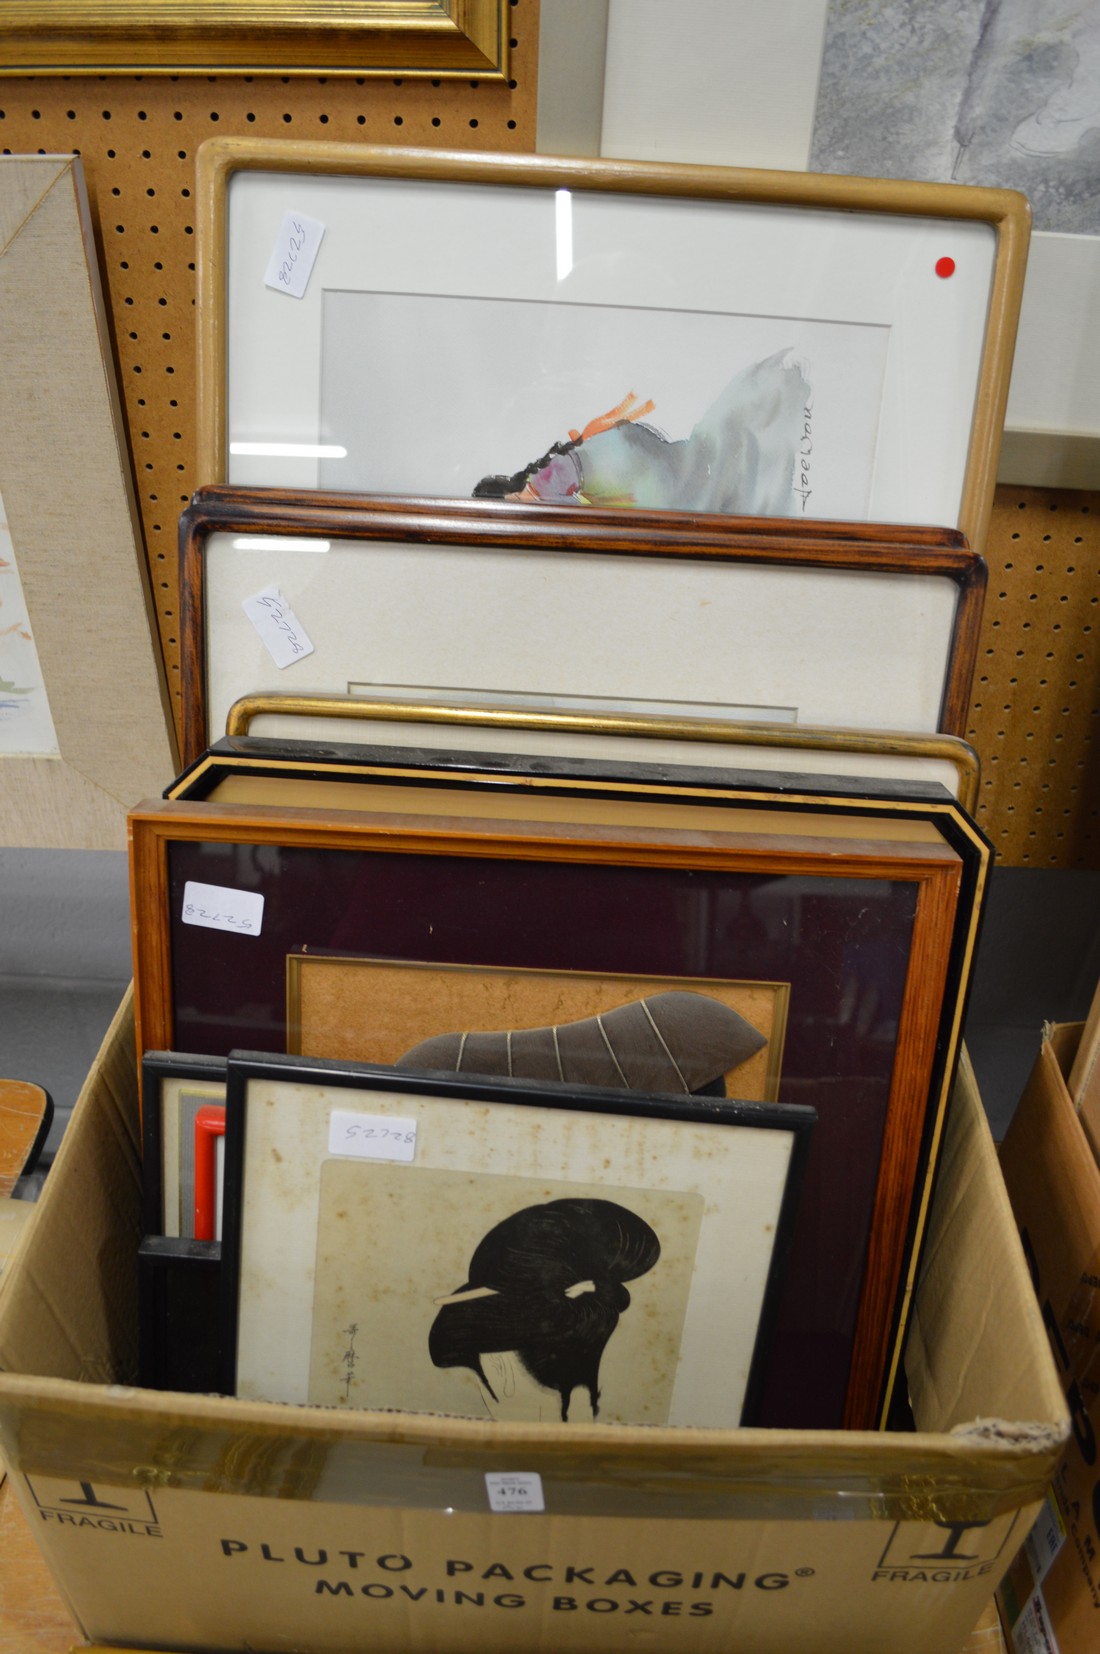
680	1035
525	1252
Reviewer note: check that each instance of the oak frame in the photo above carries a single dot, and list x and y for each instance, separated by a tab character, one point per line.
775	543
947	879
444	38
1005	212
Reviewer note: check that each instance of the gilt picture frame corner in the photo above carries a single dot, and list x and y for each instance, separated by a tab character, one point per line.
444	38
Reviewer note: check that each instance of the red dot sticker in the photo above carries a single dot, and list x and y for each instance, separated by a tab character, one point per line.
945	267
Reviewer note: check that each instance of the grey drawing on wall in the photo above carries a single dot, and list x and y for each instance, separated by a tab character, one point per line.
996	92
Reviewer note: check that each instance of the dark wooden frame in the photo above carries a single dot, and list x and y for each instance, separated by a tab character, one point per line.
776	542
948	878
245	1068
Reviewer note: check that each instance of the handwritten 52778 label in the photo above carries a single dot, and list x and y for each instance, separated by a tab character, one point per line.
217	907
371	1136
281	631
296	246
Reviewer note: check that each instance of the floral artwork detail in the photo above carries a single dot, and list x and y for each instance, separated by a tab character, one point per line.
26	726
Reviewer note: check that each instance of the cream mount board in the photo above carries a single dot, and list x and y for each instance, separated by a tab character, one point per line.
72	535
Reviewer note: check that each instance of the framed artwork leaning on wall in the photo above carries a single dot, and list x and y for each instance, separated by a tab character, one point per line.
604	332
607	614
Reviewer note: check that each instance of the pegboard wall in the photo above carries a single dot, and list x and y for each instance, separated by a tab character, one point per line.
1037	692
1036	704
138	137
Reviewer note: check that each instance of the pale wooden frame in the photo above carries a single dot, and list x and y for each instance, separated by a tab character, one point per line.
1004	211
445	38
66	485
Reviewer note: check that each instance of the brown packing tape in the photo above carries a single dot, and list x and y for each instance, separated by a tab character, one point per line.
144	1439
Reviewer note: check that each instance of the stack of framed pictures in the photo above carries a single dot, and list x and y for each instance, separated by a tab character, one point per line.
549	906
587	1024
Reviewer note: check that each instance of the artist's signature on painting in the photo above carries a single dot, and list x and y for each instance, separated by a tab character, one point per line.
350	1358
803	457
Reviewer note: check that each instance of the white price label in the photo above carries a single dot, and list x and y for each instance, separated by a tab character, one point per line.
1045	1540
216	907
1033	1632
281	631
296	246
371	1136
514	1493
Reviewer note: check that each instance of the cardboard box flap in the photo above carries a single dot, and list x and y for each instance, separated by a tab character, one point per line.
948	1391
71	1308
1051	1594
81	1257
1045	1148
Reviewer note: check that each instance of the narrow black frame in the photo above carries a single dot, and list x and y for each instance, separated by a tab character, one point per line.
156	1067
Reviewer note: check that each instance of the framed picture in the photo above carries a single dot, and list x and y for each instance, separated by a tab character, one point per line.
564	1025
177	1090
610	332
84	720
269	769
330	37
549	1252
555	610
867	908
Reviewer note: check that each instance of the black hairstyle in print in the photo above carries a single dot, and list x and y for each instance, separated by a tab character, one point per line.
547	1282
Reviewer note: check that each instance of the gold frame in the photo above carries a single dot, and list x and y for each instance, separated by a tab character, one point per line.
1006	212
794	738
445	38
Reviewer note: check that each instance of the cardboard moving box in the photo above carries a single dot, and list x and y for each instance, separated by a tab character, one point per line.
207	1522
1051	1599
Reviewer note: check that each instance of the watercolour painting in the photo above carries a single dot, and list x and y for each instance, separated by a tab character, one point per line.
597	404
988	92
26	726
